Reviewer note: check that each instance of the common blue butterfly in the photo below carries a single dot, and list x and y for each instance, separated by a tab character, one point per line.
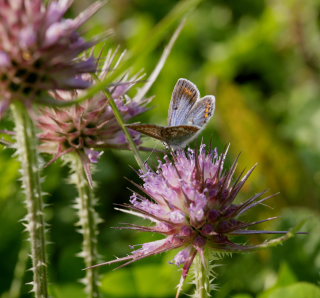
187	117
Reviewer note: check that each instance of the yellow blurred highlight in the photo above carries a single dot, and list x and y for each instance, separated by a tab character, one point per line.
278	167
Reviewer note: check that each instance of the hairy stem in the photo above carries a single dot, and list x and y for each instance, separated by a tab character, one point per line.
88	221
26	142
201	278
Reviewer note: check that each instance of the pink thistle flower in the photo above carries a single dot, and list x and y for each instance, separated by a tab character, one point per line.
190	201
39	50
88	127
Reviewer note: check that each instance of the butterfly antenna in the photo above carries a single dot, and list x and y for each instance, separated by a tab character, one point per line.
152	151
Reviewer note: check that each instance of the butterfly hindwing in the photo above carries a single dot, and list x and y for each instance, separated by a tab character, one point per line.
201	112
184	96
177	136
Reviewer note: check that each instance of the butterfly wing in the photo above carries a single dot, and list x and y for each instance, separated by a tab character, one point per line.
184	96
154	131
187	116
201	112
179	136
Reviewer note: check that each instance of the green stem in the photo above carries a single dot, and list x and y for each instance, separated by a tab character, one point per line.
120	120
202	280
26	142
88	221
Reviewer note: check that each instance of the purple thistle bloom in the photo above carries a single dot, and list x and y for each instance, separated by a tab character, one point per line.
39	50
190	200
88	127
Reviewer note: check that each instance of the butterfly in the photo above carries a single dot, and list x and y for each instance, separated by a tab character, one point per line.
187	117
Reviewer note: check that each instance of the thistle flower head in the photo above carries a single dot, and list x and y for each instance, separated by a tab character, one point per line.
191	201
38	50
87	127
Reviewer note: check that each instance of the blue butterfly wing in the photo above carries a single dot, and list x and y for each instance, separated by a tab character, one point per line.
184	96
201	112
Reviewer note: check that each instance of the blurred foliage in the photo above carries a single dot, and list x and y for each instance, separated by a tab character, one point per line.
261	60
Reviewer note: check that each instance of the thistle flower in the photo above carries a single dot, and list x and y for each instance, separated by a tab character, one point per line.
90	126
191	201
38	50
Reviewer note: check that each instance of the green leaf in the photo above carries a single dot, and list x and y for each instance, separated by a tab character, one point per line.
153	280
297	290
119	283
156	280
286	276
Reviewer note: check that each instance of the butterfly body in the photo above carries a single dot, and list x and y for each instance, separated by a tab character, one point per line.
188	115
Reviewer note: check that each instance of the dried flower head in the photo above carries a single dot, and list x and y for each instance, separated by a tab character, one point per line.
191	201
90	126
38	50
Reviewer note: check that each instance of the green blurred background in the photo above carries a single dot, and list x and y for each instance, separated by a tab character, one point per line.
261	59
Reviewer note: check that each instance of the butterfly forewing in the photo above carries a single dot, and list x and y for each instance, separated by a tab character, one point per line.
201	112
184	96
154	131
